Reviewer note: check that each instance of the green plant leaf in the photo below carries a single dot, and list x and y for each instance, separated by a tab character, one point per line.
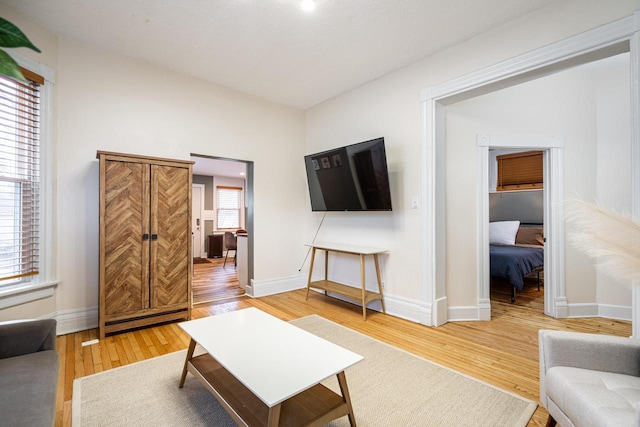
11	36
9	67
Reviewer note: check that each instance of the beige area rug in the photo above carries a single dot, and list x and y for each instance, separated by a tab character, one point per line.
390	387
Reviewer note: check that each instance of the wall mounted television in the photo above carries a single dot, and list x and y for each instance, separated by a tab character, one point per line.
349	178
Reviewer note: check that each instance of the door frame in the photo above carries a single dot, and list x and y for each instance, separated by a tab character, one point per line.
555	301
601	42
201	216
249	189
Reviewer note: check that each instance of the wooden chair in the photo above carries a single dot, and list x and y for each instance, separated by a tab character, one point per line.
231	245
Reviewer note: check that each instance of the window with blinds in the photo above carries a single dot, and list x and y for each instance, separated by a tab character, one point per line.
19	178
519	171
229	205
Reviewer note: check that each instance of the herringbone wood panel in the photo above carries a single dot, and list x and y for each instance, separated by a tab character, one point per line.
125	274
170	221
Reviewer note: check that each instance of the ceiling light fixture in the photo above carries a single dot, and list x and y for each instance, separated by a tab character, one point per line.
308	5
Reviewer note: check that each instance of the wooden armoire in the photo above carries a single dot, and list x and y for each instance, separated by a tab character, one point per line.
145	241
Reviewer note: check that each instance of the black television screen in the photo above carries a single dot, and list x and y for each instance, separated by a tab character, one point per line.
351	178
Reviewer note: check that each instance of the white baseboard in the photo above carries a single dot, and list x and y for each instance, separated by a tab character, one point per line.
470	313
600	310
582	310
76	320
615	312
262	288
406	308
463	313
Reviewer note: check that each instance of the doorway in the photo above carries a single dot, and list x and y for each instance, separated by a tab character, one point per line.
581	49
213	280
552	149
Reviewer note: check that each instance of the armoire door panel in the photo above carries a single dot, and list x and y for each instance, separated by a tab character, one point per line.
170	221
126	255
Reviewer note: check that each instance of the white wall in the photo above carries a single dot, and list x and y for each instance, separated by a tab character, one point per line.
113	103
614	153
390	107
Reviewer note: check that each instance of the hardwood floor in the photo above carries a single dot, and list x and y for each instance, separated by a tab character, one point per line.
502	352
214	282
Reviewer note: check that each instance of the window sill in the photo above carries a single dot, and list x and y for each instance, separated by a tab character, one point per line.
25	292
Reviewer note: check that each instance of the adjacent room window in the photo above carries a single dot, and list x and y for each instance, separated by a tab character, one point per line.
229	205
520	171
19	178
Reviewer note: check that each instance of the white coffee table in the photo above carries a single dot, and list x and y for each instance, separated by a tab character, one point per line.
267	372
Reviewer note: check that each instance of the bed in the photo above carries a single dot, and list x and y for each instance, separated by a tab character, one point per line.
516	251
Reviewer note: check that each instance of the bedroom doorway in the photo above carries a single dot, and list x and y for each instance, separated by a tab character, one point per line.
516	229
553	257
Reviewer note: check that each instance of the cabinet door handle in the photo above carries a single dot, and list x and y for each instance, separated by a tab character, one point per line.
145	236
154	237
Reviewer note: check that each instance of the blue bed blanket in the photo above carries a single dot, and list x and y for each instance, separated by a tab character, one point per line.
514	262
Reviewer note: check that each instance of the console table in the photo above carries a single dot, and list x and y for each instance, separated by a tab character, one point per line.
358	294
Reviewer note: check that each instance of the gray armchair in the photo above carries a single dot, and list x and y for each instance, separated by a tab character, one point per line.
589	379
29	367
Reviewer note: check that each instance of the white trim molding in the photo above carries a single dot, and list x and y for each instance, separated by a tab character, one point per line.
70	321
599	310
23	293
604	41
552	146
262	288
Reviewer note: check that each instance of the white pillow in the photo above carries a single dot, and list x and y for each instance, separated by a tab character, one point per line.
503	232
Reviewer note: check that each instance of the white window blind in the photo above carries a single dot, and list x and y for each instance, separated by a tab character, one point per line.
19	178
228	207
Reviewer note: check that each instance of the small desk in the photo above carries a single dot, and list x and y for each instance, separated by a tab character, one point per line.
267	372
361	294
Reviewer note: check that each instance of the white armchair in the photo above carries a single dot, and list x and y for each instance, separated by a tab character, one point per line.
589	379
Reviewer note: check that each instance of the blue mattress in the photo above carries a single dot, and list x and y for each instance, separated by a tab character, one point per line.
514	262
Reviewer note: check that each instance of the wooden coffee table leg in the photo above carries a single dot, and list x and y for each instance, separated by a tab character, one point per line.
274	415
192	347
342	380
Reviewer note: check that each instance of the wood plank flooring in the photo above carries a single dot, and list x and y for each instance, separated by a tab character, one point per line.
213	282
502	352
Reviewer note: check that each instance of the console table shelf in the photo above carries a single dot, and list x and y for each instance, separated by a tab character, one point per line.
359	294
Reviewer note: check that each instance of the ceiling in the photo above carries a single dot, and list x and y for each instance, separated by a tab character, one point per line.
272	48
219	167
